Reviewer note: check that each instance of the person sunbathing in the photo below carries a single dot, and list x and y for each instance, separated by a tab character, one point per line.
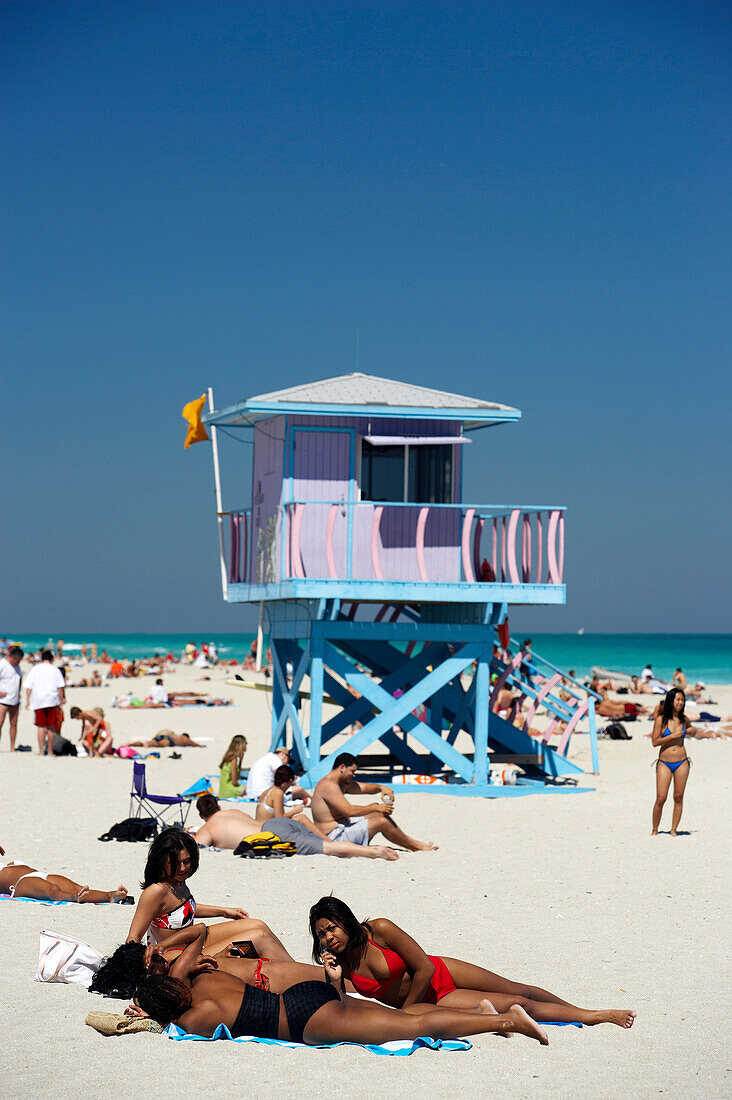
384	962
271	802
21	880
166	739
610	708
227	828
504	700
176	699
190	698
198	996
708	733
123	970
166	904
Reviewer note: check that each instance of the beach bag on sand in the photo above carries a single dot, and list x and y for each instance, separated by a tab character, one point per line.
264	846
65	959
616	731
132	829
63	747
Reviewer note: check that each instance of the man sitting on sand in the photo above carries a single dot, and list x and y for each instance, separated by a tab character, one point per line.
679	681
226	828
158	695
343	820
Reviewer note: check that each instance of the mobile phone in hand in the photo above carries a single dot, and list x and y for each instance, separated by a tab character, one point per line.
244	949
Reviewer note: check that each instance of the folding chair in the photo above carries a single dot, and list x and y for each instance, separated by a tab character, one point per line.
144	804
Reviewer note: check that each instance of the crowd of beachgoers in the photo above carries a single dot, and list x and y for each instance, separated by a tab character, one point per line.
45	675
200	966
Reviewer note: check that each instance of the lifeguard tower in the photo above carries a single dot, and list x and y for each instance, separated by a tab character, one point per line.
388	591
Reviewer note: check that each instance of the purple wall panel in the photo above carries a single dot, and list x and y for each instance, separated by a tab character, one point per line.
320	471
321	464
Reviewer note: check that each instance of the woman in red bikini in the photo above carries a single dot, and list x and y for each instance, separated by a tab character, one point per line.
167	908
384	962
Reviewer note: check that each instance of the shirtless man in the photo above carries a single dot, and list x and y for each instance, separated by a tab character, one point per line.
679	680
343	820
226	828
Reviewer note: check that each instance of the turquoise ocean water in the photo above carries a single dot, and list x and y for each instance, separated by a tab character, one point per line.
705	657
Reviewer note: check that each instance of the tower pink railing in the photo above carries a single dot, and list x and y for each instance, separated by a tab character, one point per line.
535	681
442	543
238	547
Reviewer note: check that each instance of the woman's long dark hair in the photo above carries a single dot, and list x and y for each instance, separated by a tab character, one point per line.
121	973
335	910
163	855
668	706
165	999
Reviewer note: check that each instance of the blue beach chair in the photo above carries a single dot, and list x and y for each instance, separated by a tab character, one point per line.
144	804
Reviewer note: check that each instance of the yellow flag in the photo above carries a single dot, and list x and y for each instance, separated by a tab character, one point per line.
192	413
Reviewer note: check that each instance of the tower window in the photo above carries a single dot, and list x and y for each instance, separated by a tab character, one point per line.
418	474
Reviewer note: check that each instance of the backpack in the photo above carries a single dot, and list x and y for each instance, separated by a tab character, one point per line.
616	731
132	829
264	846
63	747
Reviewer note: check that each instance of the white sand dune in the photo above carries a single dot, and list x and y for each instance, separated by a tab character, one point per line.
567	891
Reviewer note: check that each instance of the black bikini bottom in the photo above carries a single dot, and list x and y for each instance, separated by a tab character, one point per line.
302	1001
259	1014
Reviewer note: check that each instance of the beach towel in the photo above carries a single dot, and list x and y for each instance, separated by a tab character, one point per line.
400	1047
207	785
40	901
203	785
36	901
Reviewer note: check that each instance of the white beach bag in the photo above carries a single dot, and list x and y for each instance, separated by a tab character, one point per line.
65	959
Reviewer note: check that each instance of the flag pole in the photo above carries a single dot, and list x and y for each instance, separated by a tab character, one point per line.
260	637
219	507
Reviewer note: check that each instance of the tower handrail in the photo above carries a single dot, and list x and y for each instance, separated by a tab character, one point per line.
511	671
534	656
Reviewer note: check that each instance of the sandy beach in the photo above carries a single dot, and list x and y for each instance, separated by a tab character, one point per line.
568	891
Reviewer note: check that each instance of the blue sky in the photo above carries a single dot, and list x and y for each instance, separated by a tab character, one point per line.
525	204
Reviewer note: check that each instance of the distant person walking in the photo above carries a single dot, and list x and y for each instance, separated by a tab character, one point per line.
10	677
45	689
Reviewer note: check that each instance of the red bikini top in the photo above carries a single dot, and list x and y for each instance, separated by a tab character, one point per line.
370	987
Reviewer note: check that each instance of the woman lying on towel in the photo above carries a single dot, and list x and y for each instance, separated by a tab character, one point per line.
384	962
166	904
166	739
198	996
121	973
21	880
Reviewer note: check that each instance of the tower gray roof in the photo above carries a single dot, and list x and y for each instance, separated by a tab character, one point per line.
369	390
358	394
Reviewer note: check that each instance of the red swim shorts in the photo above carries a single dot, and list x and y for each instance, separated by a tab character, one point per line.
441	983
48	717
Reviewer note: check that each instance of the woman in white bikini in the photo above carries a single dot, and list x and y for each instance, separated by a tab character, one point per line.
22	880
166	905
271	803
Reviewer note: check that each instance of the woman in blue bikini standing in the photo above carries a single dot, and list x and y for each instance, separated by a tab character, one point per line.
669	730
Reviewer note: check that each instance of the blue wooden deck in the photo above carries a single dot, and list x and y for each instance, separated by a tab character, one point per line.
311	588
